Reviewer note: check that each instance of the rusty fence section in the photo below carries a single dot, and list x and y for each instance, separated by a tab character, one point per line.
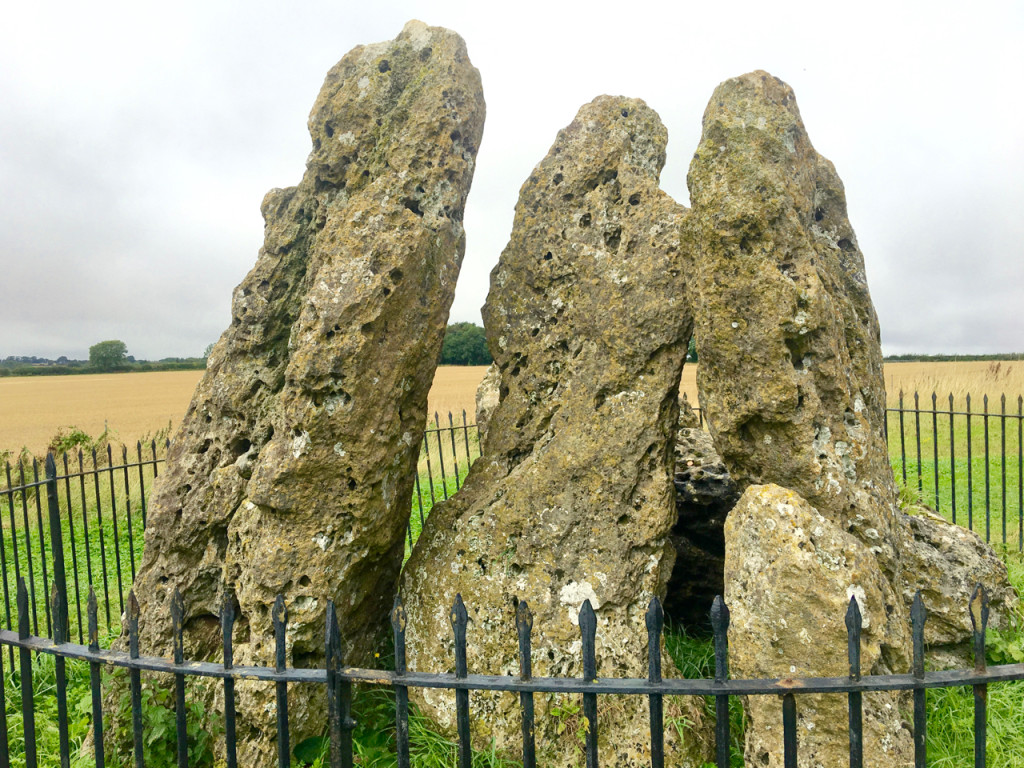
339	679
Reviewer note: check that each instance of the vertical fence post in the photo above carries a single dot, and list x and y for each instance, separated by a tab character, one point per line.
1002	459
855	704
952	461
588	635
459	619
979	621
58	608
720	628
280	619
935	447
339	696
1020	473
5	753
227	626
28	708
918	616
94	679
74	548
988	489
655	621
42	548
135	678
903	442
60	579
455	451
524	625
970	467
181	733
917	440
789	740
401	691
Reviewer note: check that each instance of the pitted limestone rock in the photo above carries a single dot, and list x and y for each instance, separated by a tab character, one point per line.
791	380
790	363
588	325
293	469
789	575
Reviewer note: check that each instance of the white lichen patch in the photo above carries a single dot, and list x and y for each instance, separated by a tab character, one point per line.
300	443
573	596
856	590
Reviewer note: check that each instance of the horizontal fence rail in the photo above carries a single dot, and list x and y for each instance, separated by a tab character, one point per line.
589	686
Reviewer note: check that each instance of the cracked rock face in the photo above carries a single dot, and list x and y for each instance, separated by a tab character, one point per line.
572	499
293	469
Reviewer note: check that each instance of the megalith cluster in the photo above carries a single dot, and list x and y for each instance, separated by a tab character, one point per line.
293	470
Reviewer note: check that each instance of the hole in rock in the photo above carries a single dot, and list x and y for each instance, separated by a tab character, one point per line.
396	275
846	245
412	205
384	66
634	199
612	237
239	446
585	220
455	136
351	484
425	53
625	113
205	446
305	581
329	130
547	256
819	214
557	179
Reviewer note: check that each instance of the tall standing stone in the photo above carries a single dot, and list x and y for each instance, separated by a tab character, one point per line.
292	472
791	379
588	325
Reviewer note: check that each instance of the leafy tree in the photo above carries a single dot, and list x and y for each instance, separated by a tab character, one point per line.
691	353
108	355
465	344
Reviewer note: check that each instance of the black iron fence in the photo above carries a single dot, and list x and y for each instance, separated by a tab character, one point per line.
339	680
965	462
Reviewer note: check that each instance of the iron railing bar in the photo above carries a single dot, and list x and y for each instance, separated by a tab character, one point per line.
475	682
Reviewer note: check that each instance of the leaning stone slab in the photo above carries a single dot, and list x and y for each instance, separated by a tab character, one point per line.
292	471
588	323
790	573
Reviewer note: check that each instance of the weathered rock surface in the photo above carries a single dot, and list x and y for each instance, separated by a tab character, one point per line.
487	397
588	324
790	363
704	495
791	379
945	562
293	468
789	575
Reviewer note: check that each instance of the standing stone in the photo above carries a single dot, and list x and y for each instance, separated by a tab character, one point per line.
292	472
789	576
572	500
791	376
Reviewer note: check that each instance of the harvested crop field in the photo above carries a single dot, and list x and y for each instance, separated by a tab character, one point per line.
137	405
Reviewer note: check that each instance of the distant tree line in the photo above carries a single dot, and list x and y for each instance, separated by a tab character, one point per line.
104	357
912	358
465	344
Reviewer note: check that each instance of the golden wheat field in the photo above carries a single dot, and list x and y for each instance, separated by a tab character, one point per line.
137	405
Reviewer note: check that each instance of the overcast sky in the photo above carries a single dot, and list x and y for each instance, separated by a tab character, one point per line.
138	139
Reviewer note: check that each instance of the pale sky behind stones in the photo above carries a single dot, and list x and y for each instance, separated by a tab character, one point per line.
138	139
